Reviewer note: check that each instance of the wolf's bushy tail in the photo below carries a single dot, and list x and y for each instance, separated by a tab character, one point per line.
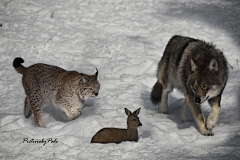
18	66
156	93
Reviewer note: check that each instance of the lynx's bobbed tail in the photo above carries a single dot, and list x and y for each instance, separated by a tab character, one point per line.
156	93
18	66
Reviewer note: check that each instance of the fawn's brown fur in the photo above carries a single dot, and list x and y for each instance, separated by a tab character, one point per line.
116	135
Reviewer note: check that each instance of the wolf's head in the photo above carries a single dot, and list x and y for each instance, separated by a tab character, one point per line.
204	81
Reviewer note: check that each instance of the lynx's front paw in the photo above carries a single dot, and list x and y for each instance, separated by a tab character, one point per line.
74	115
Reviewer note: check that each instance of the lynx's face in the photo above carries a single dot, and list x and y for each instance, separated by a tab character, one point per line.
89	86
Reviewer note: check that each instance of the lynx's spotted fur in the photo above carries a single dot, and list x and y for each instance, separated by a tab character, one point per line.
52	85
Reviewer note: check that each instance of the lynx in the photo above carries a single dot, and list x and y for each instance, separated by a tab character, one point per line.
52	85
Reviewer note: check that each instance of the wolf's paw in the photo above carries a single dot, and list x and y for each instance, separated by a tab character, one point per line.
210	125
186	120
163	110
208	133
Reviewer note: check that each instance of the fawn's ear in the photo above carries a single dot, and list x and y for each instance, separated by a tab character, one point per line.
127	112
137	111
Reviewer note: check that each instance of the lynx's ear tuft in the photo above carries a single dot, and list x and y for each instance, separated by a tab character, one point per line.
193	65
96	74
213	65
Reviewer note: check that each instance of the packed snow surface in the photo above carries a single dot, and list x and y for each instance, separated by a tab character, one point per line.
125	40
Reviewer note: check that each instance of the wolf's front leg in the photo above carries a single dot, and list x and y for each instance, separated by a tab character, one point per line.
213	115
184	112
199	118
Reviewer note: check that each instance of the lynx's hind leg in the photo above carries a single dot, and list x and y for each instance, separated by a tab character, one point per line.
34	101
27	108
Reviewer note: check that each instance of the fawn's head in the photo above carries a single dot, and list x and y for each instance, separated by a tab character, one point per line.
133	120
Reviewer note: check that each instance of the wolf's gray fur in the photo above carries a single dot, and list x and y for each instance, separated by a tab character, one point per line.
199	70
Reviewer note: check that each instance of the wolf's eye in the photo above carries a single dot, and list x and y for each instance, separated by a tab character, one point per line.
204	86
194	86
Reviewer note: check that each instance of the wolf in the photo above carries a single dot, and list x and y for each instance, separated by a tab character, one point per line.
52	85
199	70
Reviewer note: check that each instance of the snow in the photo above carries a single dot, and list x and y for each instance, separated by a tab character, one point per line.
125	40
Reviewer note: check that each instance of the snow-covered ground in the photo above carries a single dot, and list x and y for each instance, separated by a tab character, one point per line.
125	40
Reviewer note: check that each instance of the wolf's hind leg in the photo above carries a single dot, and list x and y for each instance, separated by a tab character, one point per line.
164	100
184	112
27	108
213	115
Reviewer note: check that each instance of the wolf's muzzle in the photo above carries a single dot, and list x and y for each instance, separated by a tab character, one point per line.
198	100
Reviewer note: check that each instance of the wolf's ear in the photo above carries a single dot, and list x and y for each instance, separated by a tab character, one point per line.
193	65
137	111
213	65
127	112
82	80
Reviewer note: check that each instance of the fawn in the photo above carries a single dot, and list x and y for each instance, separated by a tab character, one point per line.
117	135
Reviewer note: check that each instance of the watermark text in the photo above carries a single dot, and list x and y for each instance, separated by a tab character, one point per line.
41	141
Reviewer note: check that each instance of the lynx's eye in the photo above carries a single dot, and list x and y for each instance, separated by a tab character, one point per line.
91	89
